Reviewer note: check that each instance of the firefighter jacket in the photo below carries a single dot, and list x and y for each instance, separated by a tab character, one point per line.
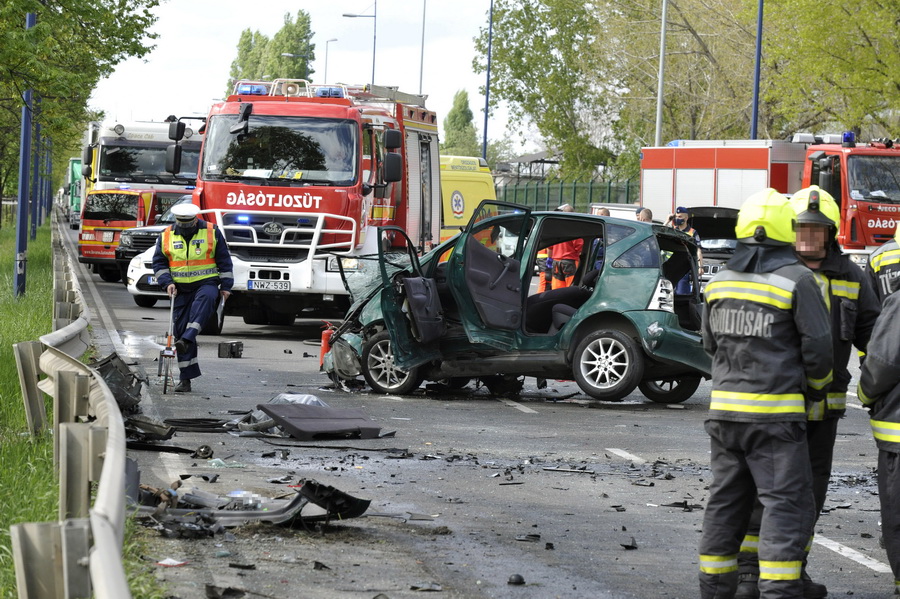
768	332
883	269
879	379
854	307
190	261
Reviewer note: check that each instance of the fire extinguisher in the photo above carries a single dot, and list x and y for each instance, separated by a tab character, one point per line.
325	345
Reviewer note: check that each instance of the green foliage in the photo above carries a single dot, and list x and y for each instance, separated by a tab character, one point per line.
543	52
460	137
73	45
260	58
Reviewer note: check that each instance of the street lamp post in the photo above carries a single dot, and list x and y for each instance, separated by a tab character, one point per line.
325	78
374	17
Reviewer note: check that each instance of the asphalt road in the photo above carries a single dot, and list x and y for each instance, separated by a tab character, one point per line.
581	498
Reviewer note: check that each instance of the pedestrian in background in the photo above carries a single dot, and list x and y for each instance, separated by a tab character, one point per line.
193	265
645	215
853	307
765	314
680	221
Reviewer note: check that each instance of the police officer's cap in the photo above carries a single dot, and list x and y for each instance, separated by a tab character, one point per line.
185	213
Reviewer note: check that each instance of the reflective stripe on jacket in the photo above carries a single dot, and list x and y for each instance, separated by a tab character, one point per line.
770	339
194	260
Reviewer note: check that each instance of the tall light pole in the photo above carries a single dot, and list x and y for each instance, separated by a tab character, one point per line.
374	17
422	51
487	85
325	78
662	72
755	117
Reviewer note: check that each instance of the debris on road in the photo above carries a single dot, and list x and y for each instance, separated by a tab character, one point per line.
311	422
630	546
516	579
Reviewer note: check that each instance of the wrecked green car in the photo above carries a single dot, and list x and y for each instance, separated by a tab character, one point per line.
469	309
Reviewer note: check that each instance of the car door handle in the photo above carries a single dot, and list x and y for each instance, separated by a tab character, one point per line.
505	262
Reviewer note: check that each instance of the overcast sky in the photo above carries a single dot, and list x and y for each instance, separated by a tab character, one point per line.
197	42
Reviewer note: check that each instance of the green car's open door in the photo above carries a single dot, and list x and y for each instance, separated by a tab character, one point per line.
409	302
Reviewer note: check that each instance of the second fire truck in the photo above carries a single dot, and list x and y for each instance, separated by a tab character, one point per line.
297	176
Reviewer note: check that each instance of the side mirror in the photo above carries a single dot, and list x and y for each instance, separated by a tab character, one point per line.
392	167
243	124
176	131
86	171
173	159
392	139
86	155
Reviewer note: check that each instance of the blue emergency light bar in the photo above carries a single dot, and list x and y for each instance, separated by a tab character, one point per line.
243	218
252	89
848	140
329	92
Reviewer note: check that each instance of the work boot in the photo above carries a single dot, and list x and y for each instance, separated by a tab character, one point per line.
184	386
748	586
812	590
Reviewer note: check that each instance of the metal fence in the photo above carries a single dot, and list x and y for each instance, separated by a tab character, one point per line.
547	195
81	554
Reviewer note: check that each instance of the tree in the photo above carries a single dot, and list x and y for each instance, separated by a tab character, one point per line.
460	137
73	45
542	51
259	57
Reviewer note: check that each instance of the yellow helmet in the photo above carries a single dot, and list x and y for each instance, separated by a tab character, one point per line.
766	217
816	206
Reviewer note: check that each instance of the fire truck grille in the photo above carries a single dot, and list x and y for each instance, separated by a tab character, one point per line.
269	254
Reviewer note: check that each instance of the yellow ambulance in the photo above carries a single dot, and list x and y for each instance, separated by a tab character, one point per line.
465	182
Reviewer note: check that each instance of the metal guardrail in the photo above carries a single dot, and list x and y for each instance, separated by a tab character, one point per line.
81	554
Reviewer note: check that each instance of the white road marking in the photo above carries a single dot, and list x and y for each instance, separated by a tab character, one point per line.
852	554
628	456
517	406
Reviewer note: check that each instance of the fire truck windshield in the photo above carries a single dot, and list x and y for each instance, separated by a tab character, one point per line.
144	164
874	178
290	150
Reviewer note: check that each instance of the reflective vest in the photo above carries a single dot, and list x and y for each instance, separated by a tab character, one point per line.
884	269
194	260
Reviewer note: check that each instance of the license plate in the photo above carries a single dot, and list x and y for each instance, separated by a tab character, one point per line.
108	236
253	285
151	281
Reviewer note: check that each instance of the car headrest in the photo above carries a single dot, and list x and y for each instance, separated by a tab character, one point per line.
590	277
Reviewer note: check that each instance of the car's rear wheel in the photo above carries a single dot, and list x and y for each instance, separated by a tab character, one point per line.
110	274
255	316
144	301
379	370
608	365
672	390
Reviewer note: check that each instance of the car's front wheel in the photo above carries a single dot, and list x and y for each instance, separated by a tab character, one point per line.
608	365
379	370
670	391
144	301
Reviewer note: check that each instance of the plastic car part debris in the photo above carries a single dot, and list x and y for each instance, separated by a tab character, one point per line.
320	566
125	385
684	505
531	538
231	349
159	447
426	586
243	566
630	546
516	579
310	422
549	546
280	480
143	428
214	592
204	452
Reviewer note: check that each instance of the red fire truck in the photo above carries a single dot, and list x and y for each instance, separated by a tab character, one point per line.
297	175
864	178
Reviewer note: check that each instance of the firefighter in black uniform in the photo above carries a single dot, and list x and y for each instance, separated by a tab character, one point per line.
767	329
884	267
879	391
854	308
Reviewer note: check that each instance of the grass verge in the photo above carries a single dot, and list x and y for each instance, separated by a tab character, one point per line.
29	489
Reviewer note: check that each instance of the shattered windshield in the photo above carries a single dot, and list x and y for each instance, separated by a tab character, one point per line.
874	178
299	150
362	274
